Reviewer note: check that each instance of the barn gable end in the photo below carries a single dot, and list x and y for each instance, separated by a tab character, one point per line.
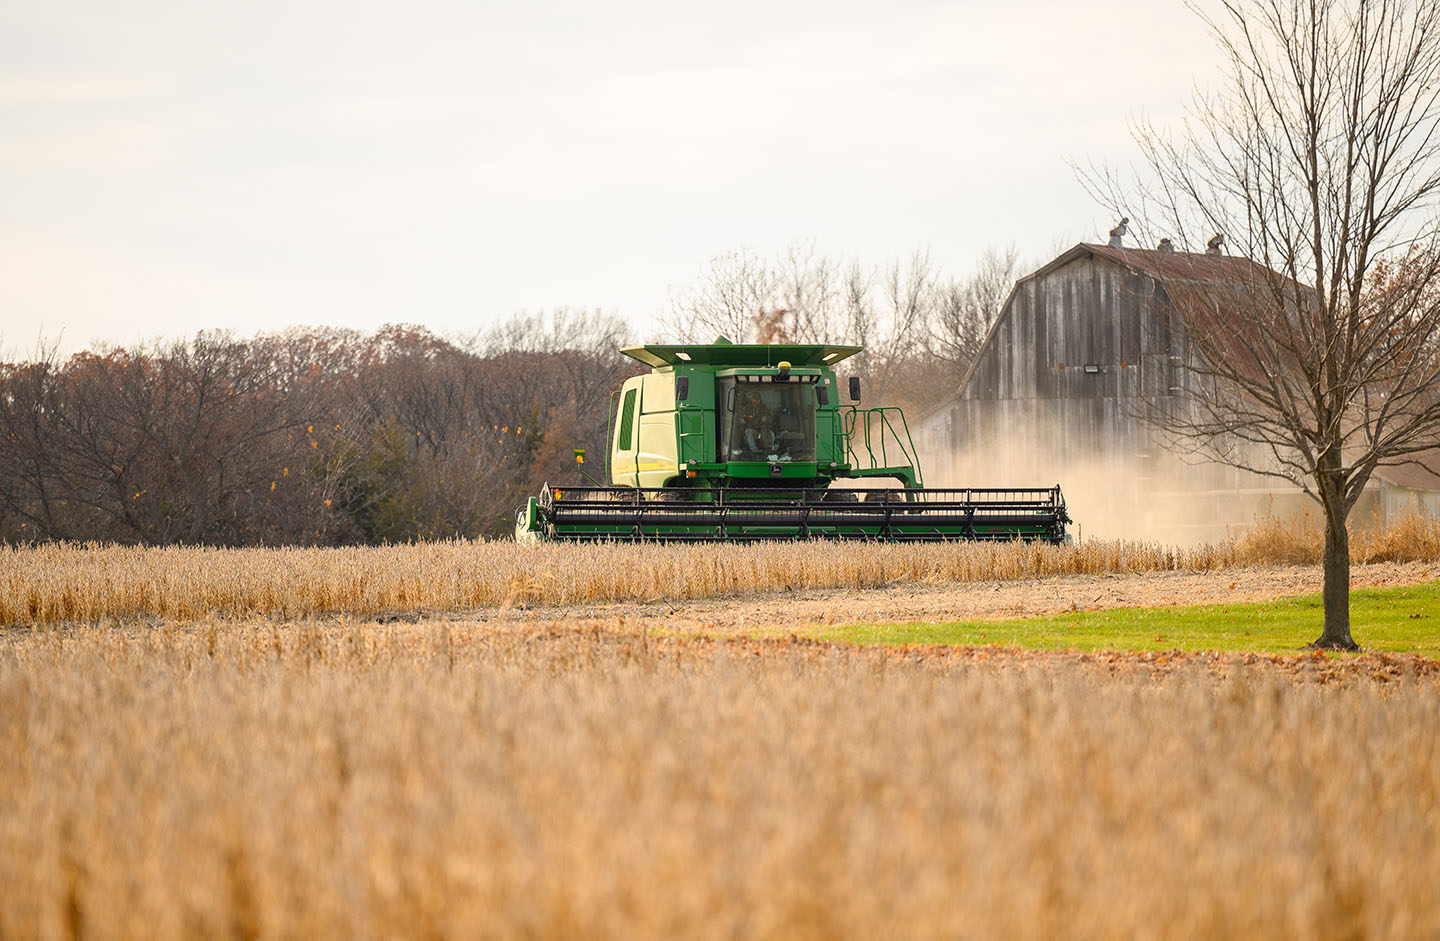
1082	357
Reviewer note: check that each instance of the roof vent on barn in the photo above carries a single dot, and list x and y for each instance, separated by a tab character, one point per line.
1118	233
1166	246
1216	245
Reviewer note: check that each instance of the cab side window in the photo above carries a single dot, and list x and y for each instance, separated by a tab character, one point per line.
627	421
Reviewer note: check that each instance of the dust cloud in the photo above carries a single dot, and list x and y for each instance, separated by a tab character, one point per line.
1150	495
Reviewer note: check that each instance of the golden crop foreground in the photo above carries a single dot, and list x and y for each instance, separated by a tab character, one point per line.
54	583
261	780
65	582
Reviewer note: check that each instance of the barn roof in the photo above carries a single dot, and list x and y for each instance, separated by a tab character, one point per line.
1168	266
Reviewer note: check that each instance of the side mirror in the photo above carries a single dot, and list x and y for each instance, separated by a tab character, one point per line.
854	388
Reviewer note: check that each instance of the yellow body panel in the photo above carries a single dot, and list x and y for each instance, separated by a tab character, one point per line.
658	459
652	459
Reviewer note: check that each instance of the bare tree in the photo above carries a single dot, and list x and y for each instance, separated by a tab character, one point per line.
963	310
725	298
906	291
1319	160
956	315
32	498
806	297
806	289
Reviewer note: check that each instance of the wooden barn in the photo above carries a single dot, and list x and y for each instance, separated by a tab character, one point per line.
1083	354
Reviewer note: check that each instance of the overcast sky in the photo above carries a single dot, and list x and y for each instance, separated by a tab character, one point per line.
170	166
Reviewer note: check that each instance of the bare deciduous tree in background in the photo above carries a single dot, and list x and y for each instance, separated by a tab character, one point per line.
725	298
318	436
32	439
917	329
964	310
1319	159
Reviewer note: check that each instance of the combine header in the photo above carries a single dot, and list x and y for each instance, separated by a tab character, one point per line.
731	442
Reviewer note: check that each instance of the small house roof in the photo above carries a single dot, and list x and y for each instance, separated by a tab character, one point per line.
1415	474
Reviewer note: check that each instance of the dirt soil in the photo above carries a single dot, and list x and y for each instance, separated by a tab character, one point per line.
991	600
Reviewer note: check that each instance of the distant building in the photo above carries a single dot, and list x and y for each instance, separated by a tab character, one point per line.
1085	352
1407	489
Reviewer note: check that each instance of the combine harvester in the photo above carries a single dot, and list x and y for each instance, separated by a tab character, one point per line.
731	442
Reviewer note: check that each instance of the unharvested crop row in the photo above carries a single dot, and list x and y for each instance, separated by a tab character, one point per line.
361	781
66	582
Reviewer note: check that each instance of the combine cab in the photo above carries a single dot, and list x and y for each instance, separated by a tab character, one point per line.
730	443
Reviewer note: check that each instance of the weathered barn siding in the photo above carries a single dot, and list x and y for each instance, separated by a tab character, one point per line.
1030	378
1028	412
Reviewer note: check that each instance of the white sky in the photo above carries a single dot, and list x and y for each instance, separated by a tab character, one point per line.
170	166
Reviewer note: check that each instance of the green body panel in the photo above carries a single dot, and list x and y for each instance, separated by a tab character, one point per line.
705	533
743	441
676	442
794	511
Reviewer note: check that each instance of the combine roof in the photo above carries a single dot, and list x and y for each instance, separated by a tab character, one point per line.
725	355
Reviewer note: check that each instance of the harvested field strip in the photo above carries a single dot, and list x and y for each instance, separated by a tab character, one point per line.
1405	619
269	780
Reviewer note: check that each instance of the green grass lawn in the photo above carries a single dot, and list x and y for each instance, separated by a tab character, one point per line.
1381	619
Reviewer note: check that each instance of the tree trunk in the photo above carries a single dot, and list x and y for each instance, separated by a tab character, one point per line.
1336	568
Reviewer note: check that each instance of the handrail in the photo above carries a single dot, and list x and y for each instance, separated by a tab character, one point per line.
878	422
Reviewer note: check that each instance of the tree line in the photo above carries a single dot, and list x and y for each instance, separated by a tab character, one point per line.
332	436
303	437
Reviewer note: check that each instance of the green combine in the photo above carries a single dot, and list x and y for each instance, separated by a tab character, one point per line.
728	442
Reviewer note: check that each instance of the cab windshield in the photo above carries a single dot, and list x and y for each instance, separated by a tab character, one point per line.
767	421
